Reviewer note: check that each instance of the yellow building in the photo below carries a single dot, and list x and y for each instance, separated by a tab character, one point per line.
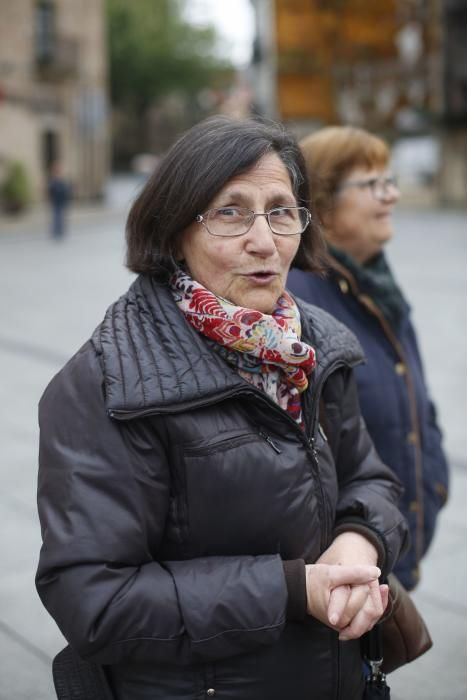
53	91
352	60
396	67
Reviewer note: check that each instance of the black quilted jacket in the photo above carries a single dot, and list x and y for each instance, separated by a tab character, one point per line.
170	493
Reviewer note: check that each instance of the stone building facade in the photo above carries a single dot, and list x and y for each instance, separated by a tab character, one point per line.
53	91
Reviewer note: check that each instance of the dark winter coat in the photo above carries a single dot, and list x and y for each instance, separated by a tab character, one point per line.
394	402
171	491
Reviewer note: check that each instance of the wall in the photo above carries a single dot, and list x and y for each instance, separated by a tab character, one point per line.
64	95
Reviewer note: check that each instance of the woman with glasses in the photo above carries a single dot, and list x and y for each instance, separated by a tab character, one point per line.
201	536
354	194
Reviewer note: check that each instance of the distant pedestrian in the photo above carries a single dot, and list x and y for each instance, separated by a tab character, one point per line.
59	193
354	194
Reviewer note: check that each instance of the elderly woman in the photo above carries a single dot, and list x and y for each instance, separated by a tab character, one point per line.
354	194
201	536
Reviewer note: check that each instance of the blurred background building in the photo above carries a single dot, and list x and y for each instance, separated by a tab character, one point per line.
53	91
397	67
107	85
100	85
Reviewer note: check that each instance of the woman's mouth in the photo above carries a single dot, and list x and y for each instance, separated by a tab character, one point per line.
262	277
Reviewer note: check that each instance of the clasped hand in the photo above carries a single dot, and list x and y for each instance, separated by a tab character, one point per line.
346	595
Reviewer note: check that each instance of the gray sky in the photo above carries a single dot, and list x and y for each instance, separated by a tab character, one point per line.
234	21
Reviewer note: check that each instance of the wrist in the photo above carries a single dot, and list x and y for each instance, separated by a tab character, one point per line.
350	547
358	527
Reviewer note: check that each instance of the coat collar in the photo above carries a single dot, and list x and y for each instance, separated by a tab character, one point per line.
152	359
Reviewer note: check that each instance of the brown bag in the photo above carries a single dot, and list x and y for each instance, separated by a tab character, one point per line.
405	634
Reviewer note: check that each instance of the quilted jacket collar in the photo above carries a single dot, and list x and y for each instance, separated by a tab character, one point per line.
153	359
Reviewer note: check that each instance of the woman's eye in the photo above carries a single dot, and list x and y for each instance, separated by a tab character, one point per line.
228	212
279	212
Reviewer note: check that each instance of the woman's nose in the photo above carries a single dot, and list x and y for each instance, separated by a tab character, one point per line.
391	194
260	238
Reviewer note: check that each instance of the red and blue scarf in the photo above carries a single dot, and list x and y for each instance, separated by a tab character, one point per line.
265	349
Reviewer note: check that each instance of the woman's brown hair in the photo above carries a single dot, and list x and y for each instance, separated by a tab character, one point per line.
332	153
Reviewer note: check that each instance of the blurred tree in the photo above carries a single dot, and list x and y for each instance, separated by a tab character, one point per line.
154	53
15	191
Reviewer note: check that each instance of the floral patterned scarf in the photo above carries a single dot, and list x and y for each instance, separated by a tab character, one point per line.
265	349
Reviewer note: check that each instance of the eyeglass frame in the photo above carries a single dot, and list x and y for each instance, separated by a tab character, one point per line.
383	181
200	219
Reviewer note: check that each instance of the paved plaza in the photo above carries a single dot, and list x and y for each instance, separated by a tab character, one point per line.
53	294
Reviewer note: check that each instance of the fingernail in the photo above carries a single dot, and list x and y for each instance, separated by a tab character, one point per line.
334	618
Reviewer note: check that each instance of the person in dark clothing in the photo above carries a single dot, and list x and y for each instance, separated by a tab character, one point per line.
201	535
59	194
354	195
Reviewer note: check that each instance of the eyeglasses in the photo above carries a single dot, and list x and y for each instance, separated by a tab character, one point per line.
236	221
380	187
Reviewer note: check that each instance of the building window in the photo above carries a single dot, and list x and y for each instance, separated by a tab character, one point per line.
45	31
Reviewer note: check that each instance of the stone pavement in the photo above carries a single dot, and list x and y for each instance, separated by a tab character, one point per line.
51	297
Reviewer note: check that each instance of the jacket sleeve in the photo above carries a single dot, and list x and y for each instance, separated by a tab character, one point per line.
102	517
368	489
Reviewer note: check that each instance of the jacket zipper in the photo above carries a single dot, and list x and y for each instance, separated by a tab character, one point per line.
322	498
308	442
270	441
124	414
311	441
236	440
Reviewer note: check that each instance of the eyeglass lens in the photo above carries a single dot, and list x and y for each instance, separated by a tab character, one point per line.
235	221
381	185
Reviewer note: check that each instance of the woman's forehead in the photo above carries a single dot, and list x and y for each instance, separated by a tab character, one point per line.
368	170
269	172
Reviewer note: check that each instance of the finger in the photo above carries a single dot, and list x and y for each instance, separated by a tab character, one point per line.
384	589
337	603
352	575
375	599
366	617
361	623
357	599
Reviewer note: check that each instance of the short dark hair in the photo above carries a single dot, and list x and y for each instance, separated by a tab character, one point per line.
191	174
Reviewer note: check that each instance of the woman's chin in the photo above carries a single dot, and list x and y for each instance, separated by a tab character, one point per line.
260	297
260	300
